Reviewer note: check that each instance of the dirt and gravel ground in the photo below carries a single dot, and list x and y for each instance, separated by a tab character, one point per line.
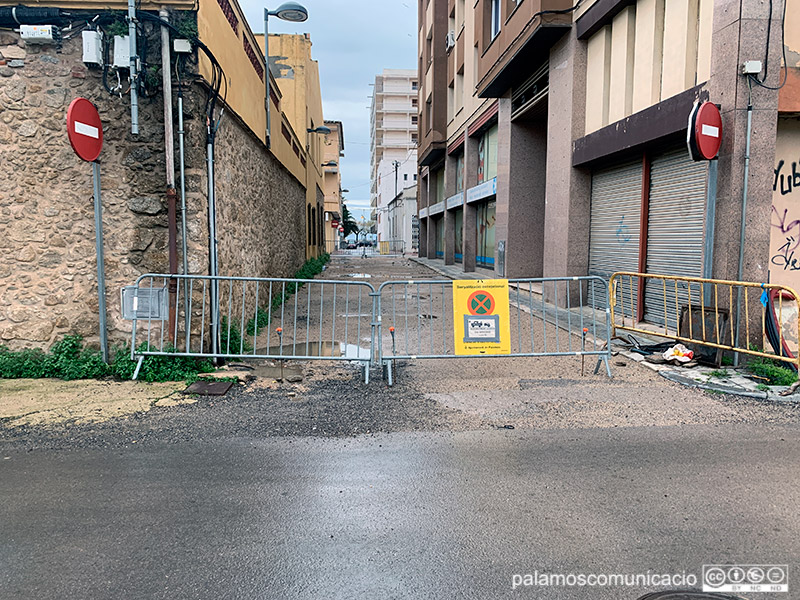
444	395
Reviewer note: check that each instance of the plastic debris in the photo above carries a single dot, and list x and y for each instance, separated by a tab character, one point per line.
679	353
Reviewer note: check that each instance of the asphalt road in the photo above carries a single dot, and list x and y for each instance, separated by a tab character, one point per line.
397	515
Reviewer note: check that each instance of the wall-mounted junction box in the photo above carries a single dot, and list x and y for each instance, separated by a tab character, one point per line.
751	67
39	34
182	46
92	47
122	51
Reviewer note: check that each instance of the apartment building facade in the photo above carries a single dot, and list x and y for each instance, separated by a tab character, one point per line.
393	141
334	151
553	137
402	223
297	76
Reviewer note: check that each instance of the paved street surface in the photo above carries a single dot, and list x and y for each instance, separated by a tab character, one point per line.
462	475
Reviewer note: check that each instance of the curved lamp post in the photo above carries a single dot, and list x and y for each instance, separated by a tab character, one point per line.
288	11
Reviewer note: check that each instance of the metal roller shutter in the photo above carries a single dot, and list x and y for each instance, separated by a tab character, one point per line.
675	230
614	228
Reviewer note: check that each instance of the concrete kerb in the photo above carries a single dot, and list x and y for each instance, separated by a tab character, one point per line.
697	377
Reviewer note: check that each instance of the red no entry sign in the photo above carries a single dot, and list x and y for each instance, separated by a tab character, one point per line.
705	131
84	129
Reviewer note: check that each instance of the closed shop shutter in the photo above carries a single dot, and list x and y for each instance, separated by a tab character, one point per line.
614	228
675	231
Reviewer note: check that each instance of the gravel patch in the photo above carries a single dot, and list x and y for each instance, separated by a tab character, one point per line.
320	407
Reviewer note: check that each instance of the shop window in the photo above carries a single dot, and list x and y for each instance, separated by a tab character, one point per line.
459	235
439	185
440	237
485	224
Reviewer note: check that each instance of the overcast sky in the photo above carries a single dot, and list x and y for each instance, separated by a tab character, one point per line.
353	40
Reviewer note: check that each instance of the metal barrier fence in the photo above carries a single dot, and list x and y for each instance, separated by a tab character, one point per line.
418	315
248	317
709	312
356	249
389	247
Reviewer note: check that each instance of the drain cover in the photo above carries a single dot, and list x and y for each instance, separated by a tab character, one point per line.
687	595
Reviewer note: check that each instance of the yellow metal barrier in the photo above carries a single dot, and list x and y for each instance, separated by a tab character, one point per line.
671	302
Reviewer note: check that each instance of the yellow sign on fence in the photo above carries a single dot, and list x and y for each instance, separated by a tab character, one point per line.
481	316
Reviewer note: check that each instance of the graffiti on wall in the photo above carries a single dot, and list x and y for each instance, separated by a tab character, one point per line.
784	245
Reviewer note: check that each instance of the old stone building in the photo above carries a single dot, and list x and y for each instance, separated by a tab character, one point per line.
48	282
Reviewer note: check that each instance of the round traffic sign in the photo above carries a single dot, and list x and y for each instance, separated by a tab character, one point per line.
84	129
705	131
480	303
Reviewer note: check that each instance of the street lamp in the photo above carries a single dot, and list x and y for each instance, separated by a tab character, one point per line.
321	129
288	11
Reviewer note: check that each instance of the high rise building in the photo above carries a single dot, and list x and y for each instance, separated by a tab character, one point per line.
393	142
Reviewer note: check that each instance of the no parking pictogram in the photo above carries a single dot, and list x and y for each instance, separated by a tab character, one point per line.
480	317
480	303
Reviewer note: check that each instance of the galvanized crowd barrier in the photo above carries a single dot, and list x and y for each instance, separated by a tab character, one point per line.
419	319
733	316
391	247
251	318
354	249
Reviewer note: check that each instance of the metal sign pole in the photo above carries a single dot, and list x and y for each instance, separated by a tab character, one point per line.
101	276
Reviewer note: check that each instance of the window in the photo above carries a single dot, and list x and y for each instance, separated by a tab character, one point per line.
459	90
428	115
460	173
414	138
414	119
451	101
405	176
414	102
415	176
414	85
495	18
487	155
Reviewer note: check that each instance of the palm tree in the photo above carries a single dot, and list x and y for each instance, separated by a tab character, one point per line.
348	222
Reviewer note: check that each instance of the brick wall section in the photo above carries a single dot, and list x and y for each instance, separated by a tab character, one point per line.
48	282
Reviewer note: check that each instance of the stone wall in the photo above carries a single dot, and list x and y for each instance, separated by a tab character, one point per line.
260	205
48	285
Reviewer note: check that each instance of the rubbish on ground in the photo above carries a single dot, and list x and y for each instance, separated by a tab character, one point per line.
679	353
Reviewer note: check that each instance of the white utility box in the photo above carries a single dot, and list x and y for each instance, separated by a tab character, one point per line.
182	46
39	34
122	51
92	47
